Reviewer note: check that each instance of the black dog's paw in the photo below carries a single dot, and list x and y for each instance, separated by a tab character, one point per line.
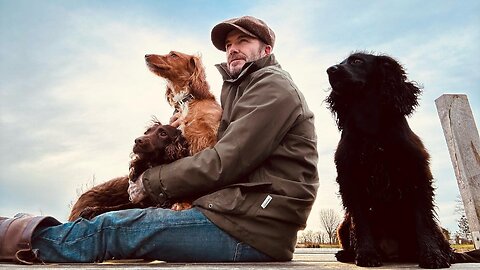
368	258
345	256
434	259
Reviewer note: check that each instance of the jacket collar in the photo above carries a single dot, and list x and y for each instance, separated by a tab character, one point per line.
248	68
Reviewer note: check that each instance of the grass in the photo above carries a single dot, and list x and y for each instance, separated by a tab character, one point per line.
456	247
316	245
462	247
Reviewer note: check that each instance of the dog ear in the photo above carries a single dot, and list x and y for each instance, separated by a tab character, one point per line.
155	122
137	167
177	149
396	91
198	82
169	95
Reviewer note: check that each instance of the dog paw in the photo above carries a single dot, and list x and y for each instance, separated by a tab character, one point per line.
434	259
345	256
368	259
89	212
179	206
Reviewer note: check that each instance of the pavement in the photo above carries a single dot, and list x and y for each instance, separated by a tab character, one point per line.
304	258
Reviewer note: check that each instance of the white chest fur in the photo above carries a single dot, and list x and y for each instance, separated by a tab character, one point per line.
182	107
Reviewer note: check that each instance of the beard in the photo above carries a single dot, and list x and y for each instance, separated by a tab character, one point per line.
237	60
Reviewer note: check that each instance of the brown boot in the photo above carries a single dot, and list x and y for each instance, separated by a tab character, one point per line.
16	237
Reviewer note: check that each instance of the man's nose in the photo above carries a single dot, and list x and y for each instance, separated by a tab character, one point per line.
232	49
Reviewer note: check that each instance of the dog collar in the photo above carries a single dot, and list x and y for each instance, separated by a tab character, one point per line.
186	99
181	102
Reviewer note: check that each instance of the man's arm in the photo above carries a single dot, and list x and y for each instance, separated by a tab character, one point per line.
260	119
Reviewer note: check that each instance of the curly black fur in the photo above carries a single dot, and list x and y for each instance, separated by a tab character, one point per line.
383	168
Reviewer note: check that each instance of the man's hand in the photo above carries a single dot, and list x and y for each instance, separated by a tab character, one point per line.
136	191
176	119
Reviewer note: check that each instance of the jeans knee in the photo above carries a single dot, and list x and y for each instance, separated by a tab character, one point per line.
120	218
246	253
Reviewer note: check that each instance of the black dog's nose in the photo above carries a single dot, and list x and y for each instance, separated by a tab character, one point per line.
332	69
139	140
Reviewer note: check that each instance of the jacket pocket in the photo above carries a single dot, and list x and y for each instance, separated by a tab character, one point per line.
286	209
234	199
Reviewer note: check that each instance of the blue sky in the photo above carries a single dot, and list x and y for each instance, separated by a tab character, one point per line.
75	92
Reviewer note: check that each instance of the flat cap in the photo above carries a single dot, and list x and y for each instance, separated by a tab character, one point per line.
247	24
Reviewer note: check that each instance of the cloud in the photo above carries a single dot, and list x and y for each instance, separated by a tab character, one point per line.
434	50
81	116
75	91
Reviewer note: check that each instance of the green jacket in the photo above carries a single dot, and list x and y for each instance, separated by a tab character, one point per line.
259	182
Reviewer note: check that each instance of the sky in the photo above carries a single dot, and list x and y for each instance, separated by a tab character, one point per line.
75	91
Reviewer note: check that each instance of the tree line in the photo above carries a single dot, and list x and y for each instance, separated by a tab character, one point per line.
330	220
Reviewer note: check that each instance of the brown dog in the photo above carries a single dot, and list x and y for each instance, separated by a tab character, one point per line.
188	92
160	144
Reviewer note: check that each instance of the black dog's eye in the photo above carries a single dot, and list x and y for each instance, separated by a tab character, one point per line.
163	133
356	61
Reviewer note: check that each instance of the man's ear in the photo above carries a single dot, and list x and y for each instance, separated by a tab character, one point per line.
268	50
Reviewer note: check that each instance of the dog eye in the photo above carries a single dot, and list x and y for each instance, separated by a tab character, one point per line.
356	61
163	134
174	55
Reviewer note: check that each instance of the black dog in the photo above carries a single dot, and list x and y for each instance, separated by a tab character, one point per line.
383	168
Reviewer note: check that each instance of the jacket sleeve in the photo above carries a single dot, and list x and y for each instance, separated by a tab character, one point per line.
262	116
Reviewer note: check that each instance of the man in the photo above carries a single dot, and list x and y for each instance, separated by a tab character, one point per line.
256	186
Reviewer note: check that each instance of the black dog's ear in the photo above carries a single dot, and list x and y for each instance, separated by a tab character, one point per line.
177	149
396	91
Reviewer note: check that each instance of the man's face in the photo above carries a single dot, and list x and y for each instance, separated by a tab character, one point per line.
242	48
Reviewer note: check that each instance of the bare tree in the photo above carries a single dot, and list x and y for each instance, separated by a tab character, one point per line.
310	239
309	236
463	227
330	221
301	238
318	238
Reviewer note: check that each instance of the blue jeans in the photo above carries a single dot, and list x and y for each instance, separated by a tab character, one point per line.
152	234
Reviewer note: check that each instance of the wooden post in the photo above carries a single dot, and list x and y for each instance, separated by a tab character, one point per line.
463	143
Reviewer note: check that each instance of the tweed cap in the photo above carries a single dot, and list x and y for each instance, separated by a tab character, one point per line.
249	25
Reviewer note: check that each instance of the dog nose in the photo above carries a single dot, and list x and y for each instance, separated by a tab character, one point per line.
332	69
139	140
147	55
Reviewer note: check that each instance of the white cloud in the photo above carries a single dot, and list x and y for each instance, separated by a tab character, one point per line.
99	96
108	97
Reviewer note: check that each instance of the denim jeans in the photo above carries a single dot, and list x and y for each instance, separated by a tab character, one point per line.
152	233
